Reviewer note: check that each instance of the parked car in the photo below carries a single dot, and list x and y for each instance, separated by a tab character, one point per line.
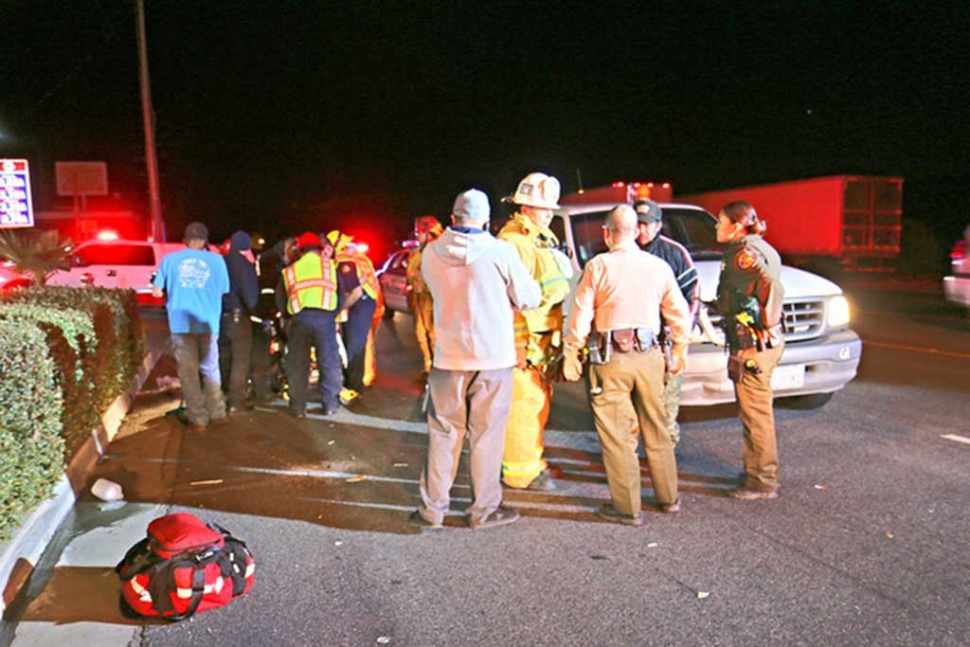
821	353
393	279
10	278
116	264
956	287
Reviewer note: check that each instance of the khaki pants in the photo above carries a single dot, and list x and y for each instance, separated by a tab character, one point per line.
757	414
637	379
476	402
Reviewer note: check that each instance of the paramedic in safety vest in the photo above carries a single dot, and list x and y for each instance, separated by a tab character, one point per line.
749	298
649	239
538	332
426	229
615	314
477	282
311	293
360	311
193	281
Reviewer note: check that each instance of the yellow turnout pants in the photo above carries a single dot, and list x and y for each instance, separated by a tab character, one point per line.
531	396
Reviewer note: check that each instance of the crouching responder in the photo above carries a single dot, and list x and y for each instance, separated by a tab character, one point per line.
309	293
360	311
538	332
426	229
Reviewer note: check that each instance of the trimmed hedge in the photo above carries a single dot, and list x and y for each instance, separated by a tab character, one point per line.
91	344
31	445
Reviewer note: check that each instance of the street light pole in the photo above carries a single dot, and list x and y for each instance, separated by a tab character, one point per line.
148	119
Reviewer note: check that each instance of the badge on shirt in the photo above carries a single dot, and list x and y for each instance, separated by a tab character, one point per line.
344	268
746	260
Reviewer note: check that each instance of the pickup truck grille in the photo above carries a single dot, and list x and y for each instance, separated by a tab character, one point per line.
803	319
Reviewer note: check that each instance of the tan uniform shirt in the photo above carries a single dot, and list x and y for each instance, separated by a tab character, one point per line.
627	288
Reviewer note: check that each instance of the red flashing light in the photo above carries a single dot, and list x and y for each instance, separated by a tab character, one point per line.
107	234
618	185
666	185
959	251
362	247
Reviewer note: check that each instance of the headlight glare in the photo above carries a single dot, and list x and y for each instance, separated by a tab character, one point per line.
838	312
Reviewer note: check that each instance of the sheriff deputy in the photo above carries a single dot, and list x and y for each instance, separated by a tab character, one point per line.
622	294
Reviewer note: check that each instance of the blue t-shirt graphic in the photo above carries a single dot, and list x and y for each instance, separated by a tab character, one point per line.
194	281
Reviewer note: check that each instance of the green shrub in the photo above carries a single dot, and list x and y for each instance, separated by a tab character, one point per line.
65	355
70	340
30	432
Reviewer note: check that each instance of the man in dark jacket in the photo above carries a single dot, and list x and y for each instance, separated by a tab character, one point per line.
649	239
236	340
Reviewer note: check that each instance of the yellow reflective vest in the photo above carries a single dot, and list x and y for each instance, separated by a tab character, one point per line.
310	282
365	271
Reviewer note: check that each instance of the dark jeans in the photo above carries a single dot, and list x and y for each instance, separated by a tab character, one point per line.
316	328
261	363
197	356
355	332
235	346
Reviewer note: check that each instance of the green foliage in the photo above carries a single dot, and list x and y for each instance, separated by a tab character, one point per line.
36	253
65	355
30	431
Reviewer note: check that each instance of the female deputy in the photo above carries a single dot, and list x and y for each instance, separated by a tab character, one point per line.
750	297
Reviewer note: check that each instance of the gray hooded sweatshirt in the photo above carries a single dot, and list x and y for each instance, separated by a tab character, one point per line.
476	281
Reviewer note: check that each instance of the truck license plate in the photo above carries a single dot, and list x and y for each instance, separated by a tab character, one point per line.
790	376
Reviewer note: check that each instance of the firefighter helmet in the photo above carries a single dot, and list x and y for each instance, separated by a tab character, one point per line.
309	239
338	239
428	225
536	190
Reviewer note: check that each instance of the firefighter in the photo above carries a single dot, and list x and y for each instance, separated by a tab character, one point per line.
649	239
749	297
538	332
360	314
426	229
309	292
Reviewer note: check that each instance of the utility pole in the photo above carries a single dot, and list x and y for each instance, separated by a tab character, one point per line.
148	119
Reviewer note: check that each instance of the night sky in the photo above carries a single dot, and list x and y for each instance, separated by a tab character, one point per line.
290	115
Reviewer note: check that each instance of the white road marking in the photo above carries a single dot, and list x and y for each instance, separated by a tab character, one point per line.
955	438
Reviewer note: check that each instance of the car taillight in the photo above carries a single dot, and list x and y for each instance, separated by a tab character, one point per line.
959	250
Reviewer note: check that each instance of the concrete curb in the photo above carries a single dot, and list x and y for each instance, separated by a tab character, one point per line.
19	555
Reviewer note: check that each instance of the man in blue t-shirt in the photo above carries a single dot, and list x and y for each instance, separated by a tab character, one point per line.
194	281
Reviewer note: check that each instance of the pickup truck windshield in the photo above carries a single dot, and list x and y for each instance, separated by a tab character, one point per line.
692	228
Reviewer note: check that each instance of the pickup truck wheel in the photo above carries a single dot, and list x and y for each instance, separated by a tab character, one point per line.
803	402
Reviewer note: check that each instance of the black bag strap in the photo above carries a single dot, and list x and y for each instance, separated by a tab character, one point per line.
198	590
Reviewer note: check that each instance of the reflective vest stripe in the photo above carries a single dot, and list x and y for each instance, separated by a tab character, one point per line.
311	283
514	468
365	272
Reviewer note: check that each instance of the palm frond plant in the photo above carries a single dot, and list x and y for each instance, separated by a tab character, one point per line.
36	254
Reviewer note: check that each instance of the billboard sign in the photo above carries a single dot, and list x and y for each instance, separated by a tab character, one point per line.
16	209
81	178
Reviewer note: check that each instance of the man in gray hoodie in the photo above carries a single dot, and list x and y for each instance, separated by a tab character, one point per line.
476	281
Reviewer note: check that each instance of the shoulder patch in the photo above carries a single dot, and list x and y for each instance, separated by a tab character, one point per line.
746	259
344	268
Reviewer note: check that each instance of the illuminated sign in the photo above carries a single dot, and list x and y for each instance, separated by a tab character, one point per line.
15	207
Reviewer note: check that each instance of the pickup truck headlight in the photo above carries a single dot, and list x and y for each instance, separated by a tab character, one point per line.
838	312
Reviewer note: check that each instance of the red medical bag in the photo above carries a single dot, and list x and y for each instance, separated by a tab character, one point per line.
184	566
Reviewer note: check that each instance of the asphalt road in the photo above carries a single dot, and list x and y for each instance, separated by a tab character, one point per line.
868	543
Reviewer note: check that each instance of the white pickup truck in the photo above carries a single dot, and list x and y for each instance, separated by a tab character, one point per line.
116	264
821	353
